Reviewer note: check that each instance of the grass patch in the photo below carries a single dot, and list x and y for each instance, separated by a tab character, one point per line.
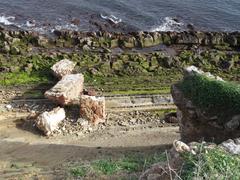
127	164
215	97
79	171
211	164
24	78
133	85
107	167
140	92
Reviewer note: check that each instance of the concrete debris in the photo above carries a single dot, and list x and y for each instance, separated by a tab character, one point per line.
93	109
67	90
49	121
63	67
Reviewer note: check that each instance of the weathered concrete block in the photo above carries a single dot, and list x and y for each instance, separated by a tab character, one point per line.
49	121
62	68
92	108
67	90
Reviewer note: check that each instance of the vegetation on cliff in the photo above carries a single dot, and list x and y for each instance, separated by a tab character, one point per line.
216	98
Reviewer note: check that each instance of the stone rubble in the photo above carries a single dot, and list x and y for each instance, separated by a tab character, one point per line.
48	121
67	90
62	68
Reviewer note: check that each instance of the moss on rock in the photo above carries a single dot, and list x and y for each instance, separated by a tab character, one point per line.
217	98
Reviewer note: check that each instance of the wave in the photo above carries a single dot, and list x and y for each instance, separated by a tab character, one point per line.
6	20
169	24
112	18
31	23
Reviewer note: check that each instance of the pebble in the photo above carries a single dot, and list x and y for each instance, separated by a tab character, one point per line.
9	107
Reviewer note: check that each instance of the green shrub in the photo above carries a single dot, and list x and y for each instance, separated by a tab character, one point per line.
211	164
218	98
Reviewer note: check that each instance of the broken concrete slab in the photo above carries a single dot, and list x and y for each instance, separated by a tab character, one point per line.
92	108
49	121
67	90
62	68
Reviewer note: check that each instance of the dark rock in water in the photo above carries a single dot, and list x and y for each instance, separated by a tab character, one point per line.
190	27
75	21
176	19
57	32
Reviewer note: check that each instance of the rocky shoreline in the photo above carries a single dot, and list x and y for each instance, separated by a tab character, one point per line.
104	54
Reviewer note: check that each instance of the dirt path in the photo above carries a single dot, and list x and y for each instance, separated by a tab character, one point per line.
27	152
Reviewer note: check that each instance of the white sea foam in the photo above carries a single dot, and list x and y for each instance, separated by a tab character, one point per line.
66	27
112	18
169	24
31	23
6	20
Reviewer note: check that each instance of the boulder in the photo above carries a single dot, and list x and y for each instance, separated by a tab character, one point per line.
157	38
63	67
92	108
147	41
129	42
67	90
231	146
114	43
187	38
49	121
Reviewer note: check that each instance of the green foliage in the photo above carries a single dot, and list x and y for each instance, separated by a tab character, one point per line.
215	97
211	164
107	167
79	171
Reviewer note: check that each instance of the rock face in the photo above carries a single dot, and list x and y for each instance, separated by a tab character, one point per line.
62	68
49	121
67	90
93	109
196	124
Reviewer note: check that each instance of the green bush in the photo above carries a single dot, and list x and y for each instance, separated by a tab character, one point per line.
217	98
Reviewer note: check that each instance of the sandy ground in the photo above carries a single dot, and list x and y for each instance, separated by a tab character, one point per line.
29	154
